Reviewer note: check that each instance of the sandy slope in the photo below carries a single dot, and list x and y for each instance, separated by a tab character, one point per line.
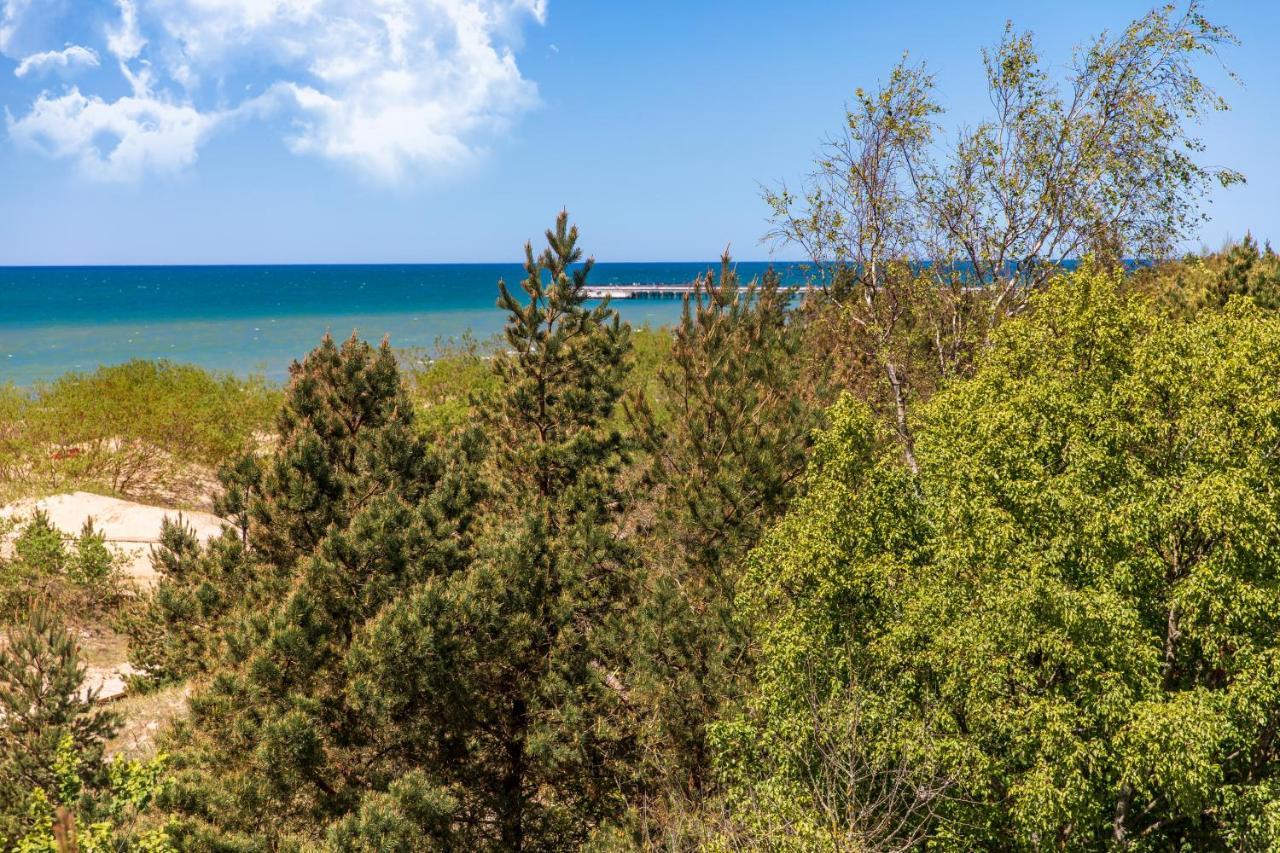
130	528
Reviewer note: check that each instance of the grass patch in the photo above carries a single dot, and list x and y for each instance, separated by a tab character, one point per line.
144	718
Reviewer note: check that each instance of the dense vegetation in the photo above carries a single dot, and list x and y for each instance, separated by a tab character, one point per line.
141	429
897	561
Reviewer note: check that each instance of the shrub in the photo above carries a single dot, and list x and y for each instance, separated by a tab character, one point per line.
133	428
80	575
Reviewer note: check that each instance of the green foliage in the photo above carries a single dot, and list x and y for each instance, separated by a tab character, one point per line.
738	419
726	427
1101	162
176	629
1209	282
507	670
93	566
131	786
443	386
133	428
42	704
344	437
81	576
39	545
1062	631
350	511
410	814
401	653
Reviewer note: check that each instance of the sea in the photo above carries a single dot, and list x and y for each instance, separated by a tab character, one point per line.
251	320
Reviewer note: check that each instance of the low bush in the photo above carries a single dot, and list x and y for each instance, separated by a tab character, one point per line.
79	576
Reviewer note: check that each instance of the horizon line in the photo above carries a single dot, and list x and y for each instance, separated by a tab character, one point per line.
235	264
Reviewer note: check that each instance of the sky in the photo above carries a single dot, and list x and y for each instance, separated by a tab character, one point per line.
395	131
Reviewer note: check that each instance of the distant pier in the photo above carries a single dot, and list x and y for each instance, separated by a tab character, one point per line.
638	291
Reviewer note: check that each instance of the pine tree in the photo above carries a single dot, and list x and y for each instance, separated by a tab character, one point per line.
42	703
1248	272
344	436
349	512
177	631
508	673
726	435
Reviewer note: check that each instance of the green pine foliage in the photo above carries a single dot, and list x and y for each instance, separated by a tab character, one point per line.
175	630
508	672
351	510
909	563
43	702
344	436
1251	273
726	430
1209	281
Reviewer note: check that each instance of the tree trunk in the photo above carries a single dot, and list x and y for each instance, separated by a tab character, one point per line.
1118	829
900	416
511	793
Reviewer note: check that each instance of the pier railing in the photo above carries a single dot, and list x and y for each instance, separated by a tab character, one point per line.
638	291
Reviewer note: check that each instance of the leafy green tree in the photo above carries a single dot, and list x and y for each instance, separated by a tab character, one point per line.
93	567
508	672
39	545
73	819
901	223
1067	620
726	429
1106	163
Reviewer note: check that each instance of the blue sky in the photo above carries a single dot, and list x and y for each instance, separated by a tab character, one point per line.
296	131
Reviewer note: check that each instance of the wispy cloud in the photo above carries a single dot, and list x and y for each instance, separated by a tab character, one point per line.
125	41
11	13
392	87
69	57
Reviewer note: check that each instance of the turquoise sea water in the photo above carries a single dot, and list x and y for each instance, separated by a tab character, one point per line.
256	319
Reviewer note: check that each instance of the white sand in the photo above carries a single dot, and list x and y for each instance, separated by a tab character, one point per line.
130	528
109	681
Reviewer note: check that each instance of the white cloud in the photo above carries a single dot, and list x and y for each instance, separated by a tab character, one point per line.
125	41
11	12
393	87
67	58
118	140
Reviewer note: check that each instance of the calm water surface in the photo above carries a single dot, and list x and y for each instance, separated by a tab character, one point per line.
256	319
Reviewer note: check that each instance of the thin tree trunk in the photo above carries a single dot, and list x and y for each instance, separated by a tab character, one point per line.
900	406
1172	633
511	793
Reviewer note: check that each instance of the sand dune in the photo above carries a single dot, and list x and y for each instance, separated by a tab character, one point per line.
130	528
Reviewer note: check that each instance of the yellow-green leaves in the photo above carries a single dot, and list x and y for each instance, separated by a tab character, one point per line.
1069	620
